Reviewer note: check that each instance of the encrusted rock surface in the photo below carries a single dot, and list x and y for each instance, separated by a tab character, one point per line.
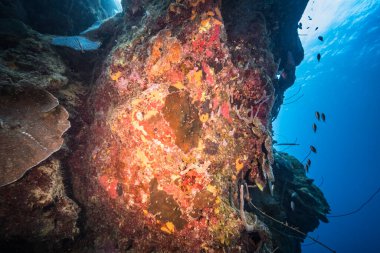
180	118
35	213
27	59
171	133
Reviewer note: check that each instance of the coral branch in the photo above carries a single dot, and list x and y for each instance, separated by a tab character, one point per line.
248	227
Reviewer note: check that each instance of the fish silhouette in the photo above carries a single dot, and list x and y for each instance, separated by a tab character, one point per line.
313	149
314	127
317	115
320	38
323	116
319	57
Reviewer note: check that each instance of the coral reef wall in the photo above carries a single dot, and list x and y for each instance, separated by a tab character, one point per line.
180	119
170	145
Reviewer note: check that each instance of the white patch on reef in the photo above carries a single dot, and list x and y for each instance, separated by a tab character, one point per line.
118	4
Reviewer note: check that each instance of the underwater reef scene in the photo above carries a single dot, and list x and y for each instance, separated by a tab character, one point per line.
150	131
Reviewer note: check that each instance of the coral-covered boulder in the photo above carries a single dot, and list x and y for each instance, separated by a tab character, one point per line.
179	121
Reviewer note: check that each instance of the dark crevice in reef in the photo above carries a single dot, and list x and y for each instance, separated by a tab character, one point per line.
86	65
59	17
197	77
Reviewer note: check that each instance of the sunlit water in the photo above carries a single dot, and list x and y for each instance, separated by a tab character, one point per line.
345	85
118	4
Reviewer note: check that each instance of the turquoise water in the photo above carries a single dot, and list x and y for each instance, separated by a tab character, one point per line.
345	86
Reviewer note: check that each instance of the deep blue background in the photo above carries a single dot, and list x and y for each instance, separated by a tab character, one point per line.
345	85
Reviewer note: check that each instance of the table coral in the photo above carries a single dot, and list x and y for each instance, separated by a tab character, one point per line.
31	126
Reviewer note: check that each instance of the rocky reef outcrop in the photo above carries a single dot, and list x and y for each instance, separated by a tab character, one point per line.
170	145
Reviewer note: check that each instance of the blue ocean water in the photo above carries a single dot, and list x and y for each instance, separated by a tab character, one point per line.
345	86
